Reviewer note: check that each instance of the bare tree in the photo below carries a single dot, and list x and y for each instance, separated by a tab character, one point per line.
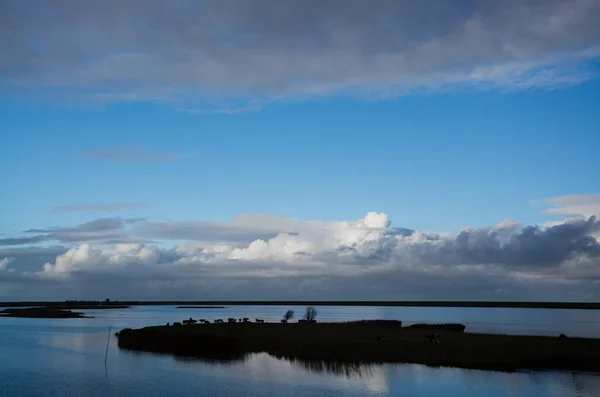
311	314
288	315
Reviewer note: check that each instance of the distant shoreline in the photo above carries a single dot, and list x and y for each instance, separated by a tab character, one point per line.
200	307
475	304
41	312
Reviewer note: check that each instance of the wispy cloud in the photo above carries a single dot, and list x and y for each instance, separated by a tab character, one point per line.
206	55
99	231
105	207
4	262
132	154
574	205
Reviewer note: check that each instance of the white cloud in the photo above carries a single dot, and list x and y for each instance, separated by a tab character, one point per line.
576	205
4	262
366	246
228	56
262	256
85	257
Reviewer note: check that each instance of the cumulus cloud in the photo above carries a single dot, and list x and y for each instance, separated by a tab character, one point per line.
87	257
28	259
261	256
369	246
216	52
105	207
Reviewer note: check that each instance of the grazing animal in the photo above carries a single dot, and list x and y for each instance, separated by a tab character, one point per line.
231	320
433	338
284	321
258	320
246	320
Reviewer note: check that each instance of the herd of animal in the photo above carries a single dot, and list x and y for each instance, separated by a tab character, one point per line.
433	338
244	320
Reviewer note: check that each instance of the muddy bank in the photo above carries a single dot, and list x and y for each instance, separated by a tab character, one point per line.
369	342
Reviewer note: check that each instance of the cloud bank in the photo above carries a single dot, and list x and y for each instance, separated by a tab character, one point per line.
227	55
261	256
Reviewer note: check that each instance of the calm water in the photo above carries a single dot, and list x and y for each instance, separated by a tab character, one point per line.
46	357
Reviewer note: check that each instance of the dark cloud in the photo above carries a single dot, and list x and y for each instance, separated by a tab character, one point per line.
532	246
31	259
22	240
104	230
192	283
190	53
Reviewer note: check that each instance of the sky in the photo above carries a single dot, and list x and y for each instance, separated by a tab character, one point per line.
344	150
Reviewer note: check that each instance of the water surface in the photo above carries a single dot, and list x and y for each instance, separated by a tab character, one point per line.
65	357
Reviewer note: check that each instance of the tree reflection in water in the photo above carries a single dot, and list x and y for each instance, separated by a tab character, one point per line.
348	369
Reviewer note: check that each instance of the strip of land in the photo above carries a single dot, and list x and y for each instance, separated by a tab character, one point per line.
369	342
200	307
40	312
498	304
68	305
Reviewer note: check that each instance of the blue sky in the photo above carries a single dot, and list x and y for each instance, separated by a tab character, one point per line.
223	141
435	161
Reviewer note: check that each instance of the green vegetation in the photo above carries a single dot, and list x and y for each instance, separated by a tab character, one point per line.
369	342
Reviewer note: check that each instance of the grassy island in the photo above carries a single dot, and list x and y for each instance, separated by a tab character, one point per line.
40	312
369	342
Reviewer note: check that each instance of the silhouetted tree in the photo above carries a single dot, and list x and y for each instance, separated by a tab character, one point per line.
288	315
311	314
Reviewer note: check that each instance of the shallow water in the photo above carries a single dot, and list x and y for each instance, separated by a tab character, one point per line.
65	357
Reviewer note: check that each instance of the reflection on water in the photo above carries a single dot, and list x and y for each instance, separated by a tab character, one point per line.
339	368
47	357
